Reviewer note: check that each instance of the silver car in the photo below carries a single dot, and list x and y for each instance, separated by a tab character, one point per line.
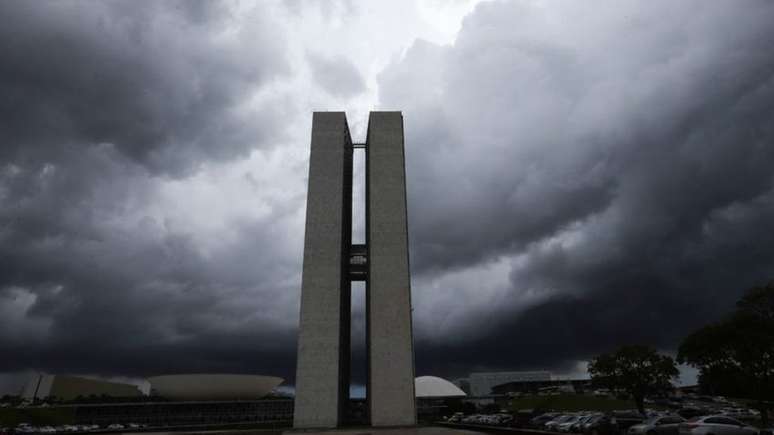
551	425
660	425
567	424
715	425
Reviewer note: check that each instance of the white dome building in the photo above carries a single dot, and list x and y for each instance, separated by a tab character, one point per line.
432	387
213	386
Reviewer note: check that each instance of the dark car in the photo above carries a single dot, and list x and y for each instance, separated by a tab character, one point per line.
582	428
603	425
716	425
541	420
523	417
581	424
627	419
692	411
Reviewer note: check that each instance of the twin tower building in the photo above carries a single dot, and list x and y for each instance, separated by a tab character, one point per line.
332	263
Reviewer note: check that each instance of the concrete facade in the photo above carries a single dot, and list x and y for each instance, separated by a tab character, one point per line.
331	263
322	374
390	343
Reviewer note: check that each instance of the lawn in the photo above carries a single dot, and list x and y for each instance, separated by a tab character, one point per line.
10	417
570	402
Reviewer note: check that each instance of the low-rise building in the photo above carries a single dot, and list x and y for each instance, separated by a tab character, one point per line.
481	383
62	387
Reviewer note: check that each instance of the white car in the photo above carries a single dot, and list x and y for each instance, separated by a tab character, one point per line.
567	425
551	425
715	425
115	426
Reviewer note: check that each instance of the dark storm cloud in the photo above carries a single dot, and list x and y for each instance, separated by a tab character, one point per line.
157	81
100	104
578	178
103	289
618	160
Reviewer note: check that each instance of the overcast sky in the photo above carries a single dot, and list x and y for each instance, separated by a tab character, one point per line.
580	176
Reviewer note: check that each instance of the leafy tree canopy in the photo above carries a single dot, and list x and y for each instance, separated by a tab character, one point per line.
638	370
735	356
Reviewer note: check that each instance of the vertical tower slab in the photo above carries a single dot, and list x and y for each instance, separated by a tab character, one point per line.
391	351
322	372
331	262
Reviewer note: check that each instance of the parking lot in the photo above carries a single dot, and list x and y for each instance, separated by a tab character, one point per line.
694	415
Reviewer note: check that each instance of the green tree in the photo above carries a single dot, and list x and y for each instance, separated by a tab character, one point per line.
735	356
638	370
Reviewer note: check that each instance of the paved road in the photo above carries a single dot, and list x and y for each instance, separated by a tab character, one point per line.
433	430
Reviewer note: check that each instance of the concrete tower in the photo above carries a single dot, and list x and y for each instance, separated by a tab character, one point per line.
331	263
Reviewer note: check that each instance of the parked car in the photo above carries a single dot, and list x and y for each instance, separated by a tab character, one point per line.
567	425
715	425
628	418
551	425
691	412
115	426
577	427
541	420
473	418
456	418
504	419
662	425
602	425
740	413
583	427
25	428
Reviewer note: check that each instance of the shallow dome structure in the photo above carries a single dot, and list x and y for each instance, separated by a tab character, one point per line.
435	387
213	386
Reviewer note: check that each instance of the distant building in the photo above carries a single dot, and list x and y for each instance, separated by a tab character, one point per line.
43	386
434	395
177	400
481	383
213	386
532	387
431	387
277	412
463	384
